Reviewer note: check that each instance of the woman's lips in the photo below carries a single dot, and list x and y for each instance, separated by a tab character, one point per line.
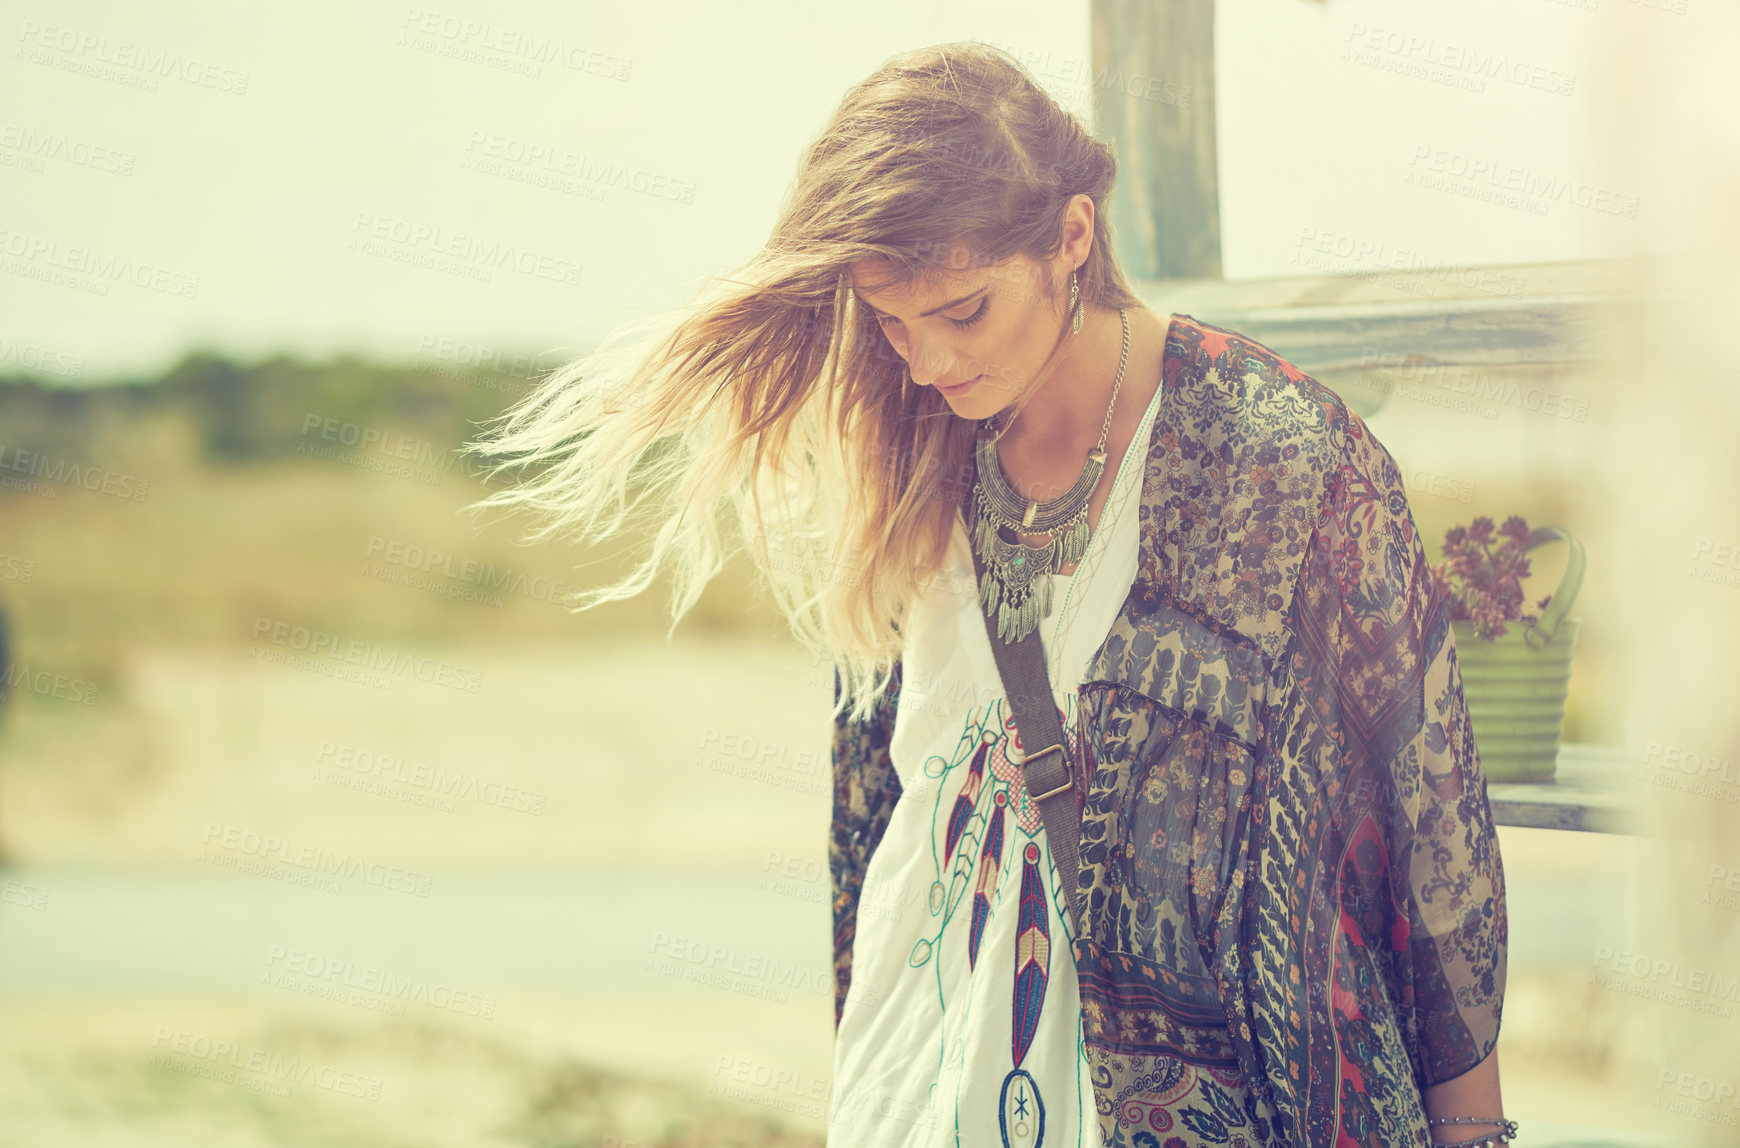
960	389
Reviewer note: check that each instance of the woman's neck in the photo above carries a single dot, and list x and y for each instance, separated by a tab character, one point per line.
1063	418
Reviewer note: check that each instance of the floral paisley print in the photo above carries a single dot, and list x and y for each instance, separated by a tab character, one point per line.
1293	892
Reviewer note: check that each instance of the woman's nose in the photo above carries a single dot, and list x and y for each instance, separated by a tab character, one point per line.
930	364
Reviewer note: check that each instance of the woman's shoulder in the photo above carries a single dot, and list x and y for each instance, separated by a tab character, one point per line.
1250	405
1247	452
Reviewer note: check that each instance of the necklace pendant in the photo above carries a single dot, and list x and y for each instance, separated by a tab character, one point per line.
1008	591
1014	622
1027	518
1075	540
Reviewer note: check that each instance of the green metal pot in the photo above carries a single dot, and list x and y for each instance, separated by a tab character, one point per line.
1516	684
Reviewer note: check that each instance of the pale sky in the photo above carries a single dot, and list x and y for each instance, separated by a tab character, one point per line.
319	178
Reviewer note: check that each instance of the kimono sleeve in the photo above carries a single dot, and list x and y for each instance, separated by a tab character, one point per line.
866	788
1386	628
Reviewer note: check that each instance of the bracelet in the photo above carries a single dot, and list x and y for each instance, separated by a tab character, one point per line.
1507	1131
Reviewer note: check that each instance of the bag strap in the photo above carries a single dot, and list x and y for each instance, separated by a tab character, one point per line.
1045	772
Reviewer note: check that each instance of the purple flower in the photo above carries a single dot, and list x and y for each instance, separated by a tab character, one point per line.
1482	574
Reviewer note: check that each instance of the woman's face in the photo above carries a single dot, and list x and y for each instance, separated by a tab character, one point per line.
978	335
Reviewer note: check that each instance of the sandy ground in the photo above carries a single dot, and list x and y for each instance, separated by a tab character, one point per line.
689	755
567	814
216	1070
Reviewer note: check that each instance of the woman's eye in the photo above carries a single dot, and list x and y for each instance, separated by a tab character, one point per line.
884	321
975	316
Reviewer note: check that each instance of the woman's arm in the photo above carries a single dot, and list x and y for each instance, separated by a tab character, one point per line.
1473	1094
1383	622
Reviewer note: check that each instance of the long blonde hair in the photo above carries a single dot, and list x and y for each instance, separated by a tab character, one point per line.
773	401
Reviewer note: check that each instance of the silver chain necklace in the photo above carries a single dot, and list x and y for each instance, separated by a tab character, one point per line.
1012	568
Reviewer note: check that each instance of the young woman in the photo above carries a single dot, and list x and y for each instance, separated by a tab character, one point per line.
1294	922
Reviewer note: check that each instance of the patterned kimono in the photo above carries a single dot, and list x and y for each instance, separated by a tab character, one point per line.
1284	666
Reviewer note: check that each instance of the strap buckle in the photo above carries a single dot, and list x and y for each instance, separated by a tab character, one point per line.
1068	777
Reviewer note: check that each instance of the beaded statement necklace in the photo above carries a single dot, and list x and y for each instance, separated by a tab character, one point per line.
1010	588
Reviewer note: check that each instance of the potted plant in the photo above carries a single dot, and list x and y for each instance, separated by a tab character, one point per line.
1514	677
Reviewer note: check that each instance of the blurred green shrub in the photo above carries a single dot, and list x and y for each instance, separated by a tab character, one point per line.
246	413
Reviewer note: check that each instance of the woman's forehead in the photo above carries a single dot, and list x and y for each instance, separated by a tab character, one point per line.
883	281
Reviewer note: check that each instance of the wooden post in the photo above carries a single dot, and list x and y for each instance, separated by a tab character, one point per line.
1153	85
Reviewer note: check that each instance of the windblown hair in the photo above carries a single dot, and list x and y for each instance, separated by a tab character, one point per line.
772	401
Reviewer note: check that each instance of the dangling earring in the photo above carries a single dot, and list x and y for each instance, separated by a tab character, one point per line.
1074	304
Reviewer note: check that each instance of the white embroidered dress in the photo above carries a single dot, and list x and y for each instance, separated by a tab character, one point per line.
964	1023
